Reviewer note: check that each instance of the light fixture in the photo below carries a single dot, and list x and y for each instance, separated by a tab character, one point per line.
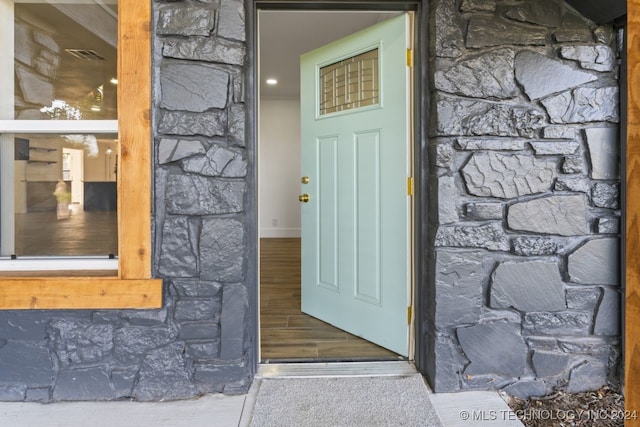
109	150
95	108
272	82
113	81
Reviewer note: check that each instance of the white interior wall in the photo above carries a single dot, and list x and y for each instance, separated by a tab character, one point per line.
279	168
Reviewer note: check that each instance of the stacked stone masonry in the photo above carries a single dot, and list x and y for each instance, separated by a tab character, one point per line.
524	214
198	342
525	150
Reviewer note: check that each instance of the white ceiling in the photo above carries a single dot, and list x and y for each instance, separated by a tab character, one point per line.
285	35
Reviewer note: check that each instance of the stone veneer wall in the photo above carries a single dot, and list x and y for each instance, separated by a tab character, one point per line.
202	340
525	160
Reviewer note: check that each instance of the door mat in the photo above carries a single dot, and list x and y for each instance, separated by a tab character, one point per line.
344	402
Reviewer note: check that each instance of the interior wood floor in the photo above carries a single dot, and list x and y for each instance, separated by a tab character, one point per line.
83	233
286	332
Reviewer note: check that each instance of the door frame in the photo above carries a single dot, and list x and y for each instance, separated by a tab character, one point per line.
422	295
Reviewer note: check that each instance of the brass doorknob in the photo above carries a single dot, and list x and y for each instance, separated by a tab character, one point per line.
305	180
304	198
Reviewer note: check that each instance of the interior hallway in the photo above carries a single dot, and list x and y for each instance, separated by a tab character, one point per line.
286	332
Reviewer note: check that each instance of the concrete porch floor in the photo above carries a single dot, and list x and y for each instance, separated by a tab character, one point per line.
217	410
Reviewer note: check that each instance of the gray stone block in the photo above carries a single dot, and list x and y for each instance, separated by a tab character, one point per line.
585	345
563	215
24	325
548	364
214	50
196	309
199	331
523	389
542	148
573	164
448	37
171	150
541	76
558	323
508	176
196	288
528	286
587	377
539	12
219	161
236	125
489	75
123	380
163	375
203	350
238	87
145	317
447	199
608	225
193	87
13	393
488	32
185	20
178	253
596	263
459	280
598	58
38	394
466	117
231	19
198	195
584	104
235	303
603	146
26	362
484	211
494	348
211	123
583	35
131	343
212	377
478	6
444	155
559	132
608	315
534	246
222	250
499	144
489	236
84	384
606	195
583	298
573	183
76	342
449	364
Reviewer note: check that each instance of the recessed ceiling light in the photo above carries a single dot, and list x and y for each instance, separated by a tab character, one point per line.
272	82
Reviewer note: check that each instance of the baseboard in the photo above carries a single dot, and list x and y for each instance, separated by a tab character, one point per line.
279	232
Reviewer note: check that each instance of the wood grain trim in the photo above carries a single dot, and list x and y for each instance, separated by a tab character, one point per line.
134	121
632	271
80	293
133	287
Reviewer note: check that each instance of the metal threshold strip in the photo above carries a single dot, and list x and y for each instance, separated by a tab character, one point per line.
339	369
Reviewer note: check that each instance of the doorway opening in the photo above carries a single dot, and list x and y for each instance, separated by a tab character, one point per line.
286	332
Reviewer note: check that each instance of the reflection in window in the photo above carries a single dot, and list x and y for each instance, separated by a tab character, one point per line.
350	83
59	190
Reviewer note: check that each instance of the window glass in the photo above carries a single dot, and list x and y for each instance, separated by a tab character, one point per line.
58	187
350	83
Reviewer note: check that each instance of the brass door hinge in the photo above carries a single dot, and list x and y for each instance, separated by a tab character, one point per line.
409	313
409	57
410	186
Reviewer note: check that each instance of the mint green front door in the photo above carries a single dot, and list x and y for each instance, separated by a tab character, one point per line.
355	124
